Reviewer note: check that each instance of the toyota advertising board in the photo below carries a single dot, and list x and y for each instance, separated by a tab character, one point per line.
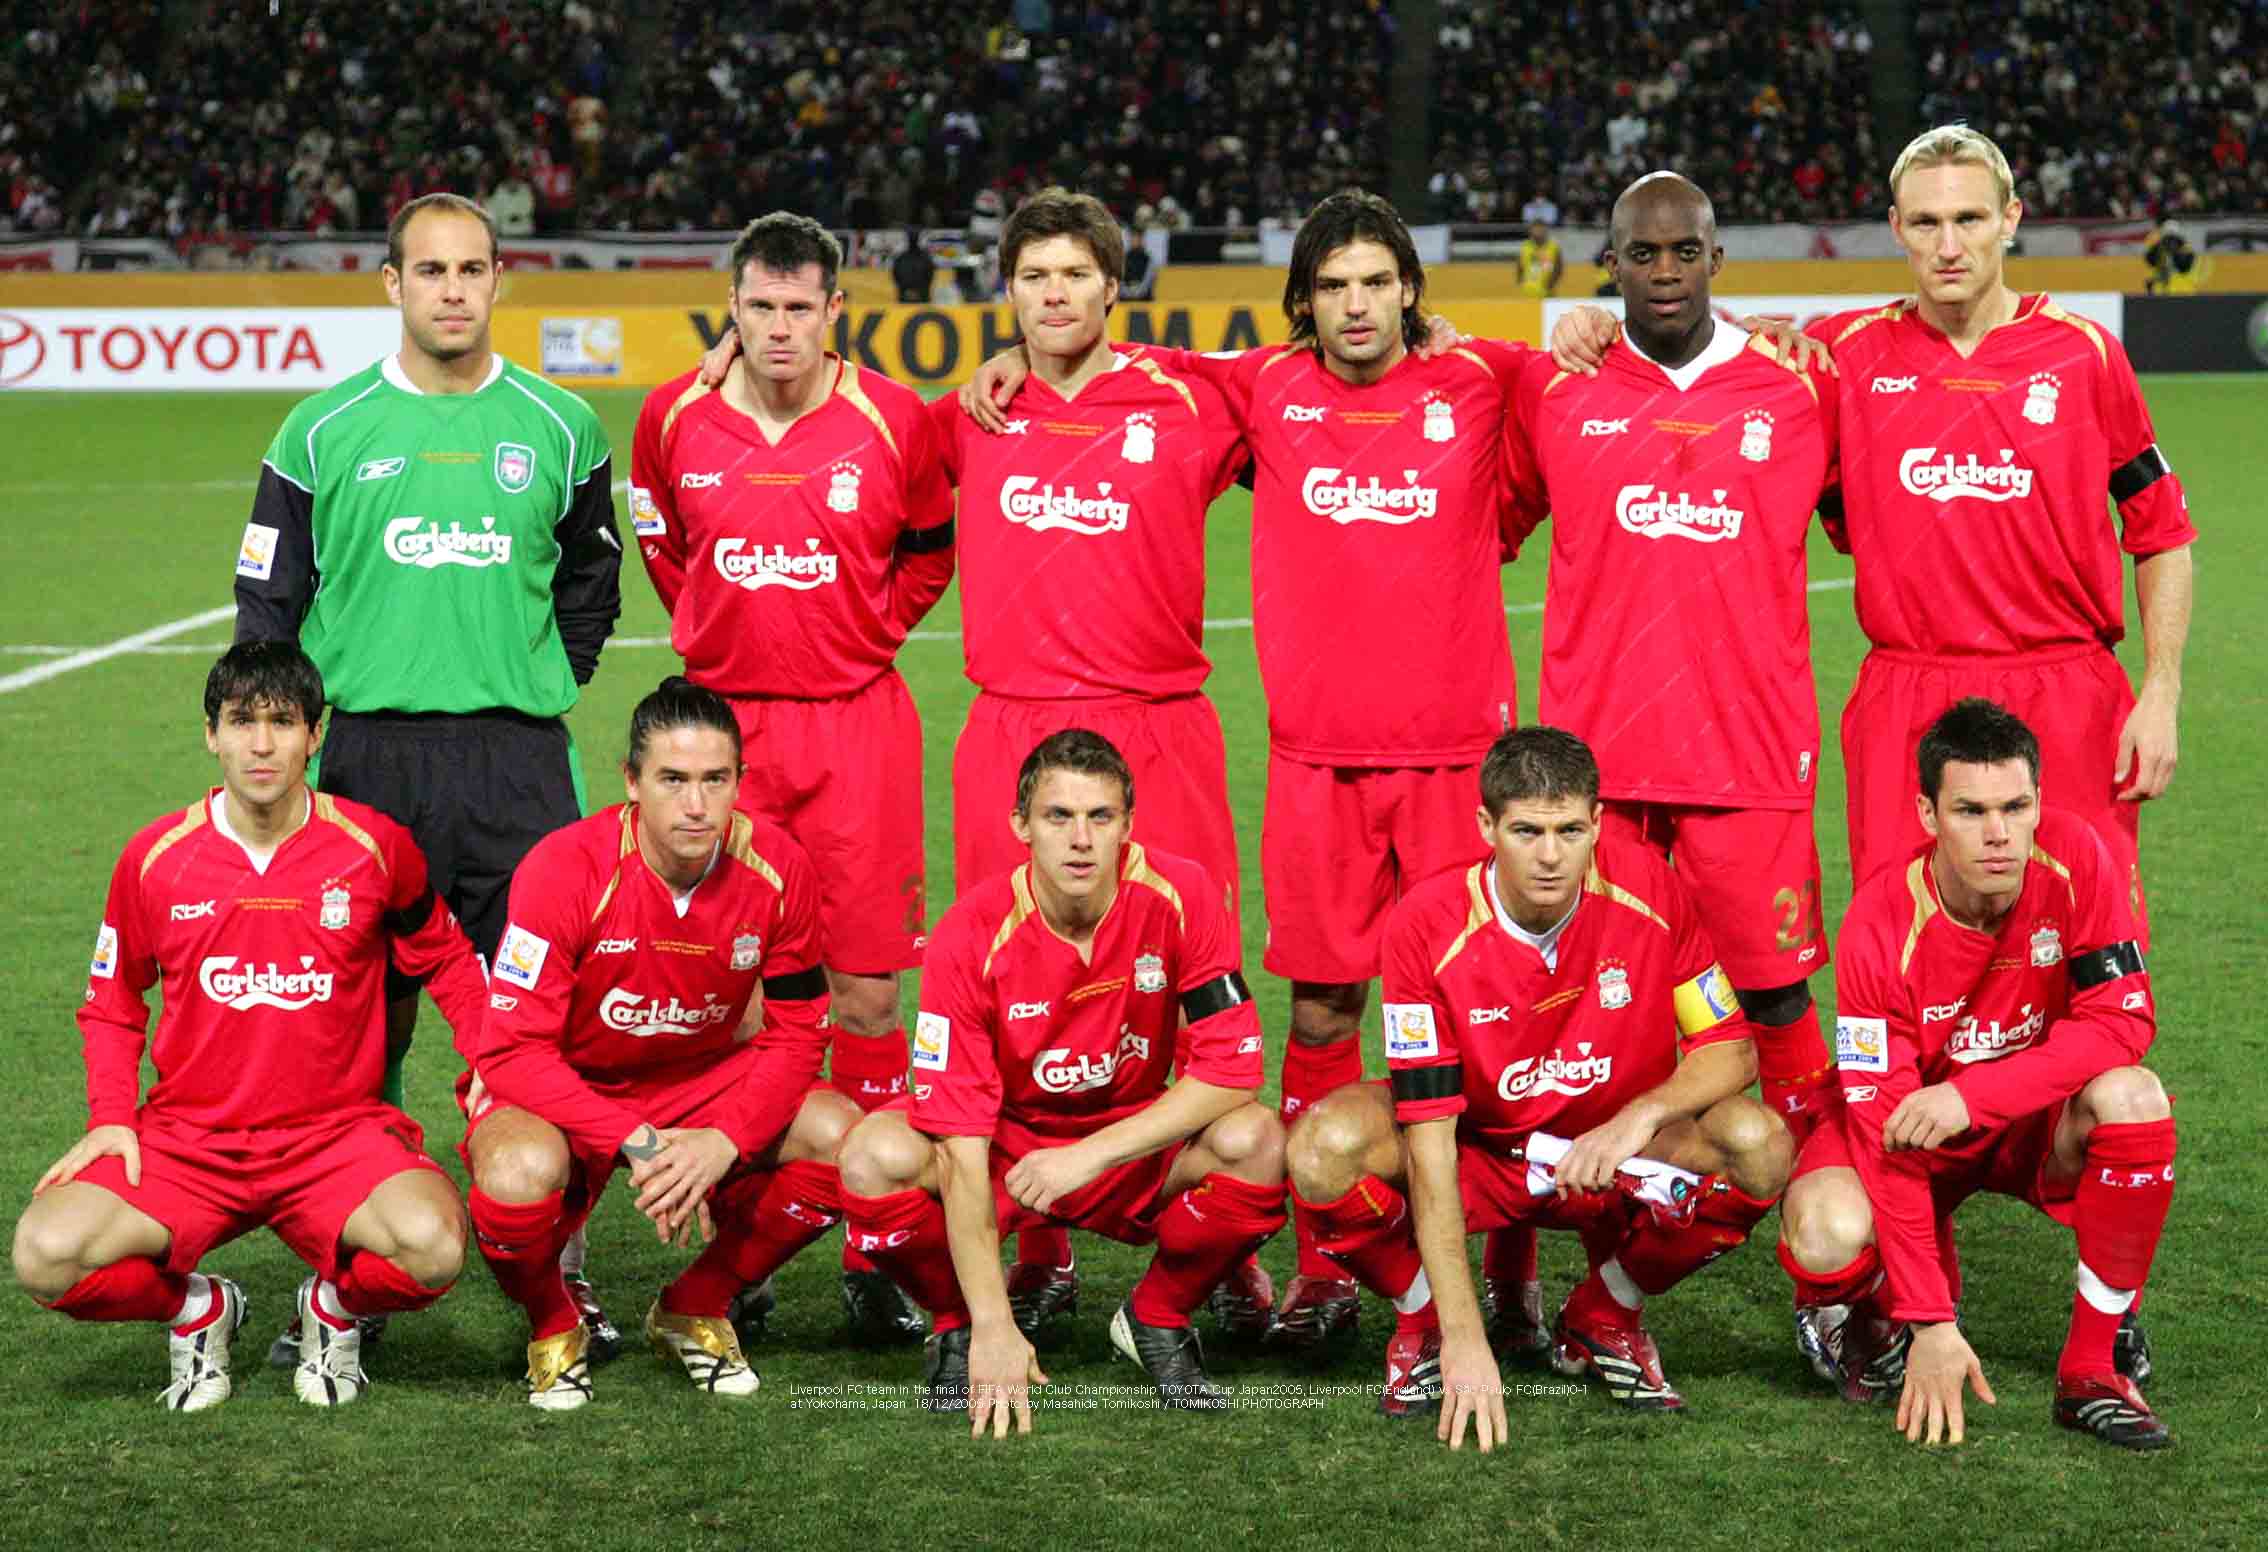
200	348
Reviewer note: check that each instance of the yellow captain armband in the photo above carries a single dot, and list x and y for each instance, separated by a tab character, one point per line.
1704	1002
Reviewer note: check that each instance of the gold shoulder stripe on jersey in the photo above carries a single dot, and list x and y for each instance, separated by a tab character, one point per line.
1020	885
740	846
1925	906
2052	864
627	847
1283	353
1137	870
2085	326
1158	374
1556	379
1864	320
1764	348
1557	999
1478	913
1597	883
1475	358
685	401
191	818
854	392
327	810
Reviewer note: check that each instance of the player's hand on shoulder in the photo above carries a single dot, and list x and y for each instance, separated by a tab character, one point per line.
1938	1364
716	366
1441	337
1926	1118
1003	1368
1790	345
1045	1176
1580	339
1593	1158
99	1142
984	397
1472	1392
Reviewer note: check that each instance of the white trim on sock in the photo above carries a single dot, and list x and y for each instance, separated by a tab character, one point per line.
327	1305
197	1303
1416	1296
2101	1295
1619	1284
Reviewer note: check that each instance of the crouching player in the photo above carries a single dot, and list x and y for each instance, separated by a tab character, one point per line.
1560	988
624	1022
1051	1004
269	913
1992	1012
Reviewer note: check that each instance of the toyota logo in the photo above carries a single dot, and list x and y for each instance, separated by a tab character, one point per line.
23	349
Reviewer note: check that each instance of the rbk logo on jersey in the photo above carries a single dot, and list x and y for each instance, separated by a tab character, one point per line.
380	469
1309	413
419	542
615	946
756	567
193	912
693	480
1896	384
1605	427
1339	496
264	987
1025	1010
1922	473
1041	508
1480	1016
1554	1074
1640	511
1939	1012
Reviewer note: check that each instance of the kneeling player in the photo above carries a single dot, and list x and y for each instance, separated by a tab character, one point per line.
269	912
1051	1006
1992	1010
1561	988
621	1025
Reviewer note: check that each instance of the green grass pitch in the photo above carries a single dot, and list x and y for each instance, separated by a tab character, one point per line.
123	513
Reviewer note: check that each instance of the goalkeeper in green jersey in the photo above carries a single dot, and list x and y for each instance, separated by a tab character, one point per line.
437	532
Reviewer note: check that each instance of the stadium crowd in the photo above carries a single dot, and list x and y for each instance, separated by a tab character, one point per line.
68	76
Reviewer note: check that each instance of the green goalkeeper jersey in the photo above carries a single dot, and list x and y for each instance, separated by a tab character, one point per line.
437	552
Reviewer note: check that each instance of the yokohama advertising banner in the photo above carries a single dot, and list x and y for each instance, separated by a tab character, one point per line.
199	348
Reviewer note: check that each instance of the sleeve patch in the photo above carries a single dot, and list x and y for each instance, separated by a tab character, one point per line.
645	516
1862	1044
1704	1002
105	965
932	1041
256	556
1410	1032
519	959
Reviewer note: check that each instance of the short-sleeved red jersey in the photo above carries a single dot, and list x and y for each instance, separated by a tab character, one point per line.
603	988
1081	533
1022	1041
1377	548
2018	1018
274	979
1677	628
1973	488
1479	1027
792	569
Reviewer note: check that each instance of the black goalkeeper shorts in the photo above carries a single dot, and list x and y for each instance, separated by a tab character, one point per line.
476	790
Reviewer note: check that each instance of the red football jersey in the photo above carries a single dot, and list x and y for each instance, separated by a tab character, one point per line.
1377	545
1973	487
1479	1027
1022	1041
1677	628
793	569
2017	1018
275	980
1082	533
604	990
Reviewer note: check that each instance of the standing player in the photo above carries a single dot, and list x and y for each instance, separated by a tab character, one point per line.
622	1026
1053	1005
438	532
270	913
1562	988
1992	1013
1981	431
797	525
1681	481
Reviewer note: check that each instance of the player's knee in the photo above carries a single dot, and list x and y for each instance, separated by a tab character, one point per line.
49	1253
1825	1228
1756	1144
821	1126
1250	1141
882	1155
429	1238
522	1168
1777	1006
2127	1094
1325	1150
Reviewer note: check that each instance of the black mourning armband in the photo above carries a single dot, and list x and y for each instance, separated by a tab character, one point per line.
926	541
796	985
2100	966
411	917
2138	474
1415	1084
1218	995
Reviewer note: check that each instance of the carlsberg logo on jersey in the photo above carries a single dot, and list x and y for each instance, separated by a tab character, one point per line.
419	542
1554	1074
267	986
1975	1041
1339	496
1029	504
1922	472
752	567
634	1014
1641	511
1057	1072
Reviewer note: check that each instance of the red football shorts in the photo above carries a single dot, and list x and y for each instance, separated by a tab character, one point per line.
2074	699
1172	746
1121	1203
843	776
1754	872
304	1182
1340	844
1494	1187
2016	1160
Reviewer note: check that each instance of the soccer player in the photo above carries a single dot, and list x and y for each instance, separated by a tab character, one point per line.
438	532
626	1022
1992	1013
796	524
1980	433
1053	1005
269	913
1557	1030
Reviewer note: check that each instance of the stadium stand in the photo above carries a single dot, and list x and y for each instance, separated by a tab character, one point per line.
69	74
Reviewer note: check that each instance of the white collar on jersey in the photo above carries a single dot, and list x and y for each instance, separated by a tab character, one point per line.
1545	942
217	805
392	367
1729	341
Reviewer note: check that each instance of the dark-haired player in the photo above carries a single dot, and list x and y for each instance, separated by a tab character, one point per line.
270	914
796	524
1992	1014
1053	1003
621	1026
1558	1032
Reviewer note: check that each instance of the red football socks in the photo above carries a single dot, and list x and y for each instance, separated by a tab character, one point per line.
1368	1235
520	1242
373	1285
136	1288
1660	1252
1201	1234
904	1235
2119	1212
762	1221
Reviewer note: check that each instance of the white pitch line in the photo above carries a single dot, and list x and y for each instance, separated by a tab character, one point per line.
25	678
